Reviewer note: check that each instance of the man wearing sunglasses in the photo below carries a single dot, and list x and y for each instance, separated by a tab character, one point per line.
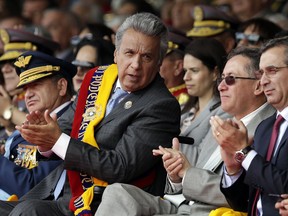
242	97
256	175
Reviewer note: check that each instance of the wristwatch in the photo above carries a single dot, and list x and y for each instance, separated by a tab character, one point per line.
7	114
241	154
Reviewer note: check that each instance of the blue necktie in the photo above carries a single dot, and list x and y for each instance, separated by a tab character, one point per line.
60	185
116	98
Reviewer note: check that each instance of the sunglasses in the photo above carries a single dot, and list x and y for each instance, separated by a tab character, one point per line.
230	80
251	38
83	64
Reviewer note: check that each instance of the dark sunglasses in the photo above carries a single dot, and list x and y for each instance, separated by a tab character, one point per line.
251	38
83	64
230	80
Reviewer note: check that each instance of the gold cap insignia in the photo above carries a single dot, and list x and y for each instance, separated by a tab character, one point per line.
23	61
4	36
198	13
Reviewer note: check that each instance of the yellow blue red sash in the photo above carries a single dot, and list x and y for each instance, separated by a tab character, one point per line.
90	110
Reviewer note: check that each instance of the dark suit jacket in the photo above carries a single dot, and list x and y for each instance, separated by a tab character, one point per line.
18	180
126	138
269	177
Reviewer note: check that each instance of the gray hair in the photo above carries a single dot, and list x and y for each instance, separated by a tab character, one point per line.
149	25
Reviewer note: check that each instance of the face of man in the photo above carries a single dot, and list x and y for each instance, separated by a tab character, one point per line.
171	69
137	60
236	99
44	94
275	84
58	27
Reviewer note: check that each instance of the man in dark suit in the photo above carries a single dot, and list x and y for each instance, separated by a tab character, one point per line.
251	175
196	172
20	169
121	141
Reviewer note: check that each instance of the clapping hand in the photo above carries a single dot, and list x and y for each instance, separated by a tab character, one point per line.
40	129
282	205
174	161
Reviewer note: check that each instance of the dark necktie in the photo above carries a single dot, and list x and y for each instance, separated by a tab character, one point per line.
116	98
270	151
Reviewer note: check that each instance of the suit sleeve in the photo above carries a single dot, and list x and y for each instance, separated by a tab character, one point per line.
203	185
18	180
237	194
135	136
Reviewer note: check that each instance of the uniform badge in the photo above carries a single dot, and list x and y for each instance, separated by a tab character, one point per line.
26	156
23	61
128	105
89	114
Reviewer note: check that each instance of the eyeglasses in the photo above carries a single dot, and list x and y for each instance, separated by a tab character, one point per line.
268	71
75	40
251	38
230	80
83	64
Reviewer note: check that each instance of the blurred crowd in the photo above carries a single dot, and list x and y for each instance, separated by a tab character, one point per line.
201	34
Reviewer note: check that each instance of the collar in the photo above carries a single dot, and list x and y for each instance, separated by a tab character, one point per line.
58	109
246	119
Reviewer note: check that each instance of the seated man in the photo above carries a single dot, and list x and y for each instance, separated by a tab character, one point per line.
47	82
111	139
193	188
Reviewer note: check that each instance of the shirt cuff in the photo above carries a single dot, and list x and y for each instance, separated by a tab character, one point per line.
61	145
228	180
175	186
248	159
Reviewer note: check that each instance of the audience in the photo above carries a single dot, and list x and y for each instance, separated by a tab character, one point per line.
202	66
255	32
263	166
172	66
12	106
117	148
81	35
62	25
212	22
20	164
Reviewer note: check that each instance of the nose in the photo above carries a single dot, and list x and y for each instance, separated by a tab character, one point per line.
6	68
81	71
222	85
28	93
187	76
264	80
136	62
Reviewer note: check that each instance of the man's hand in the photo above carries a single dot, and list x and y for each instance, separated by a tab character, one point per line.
174	161
282	205
232	136
41	130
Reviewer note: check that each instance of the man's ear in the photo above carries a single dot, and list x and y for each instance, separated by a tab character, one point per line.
62	85
115	56
178	67
258	90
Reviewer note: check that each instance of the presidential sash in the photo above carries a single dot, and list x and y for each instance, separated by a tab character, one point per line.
90	110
